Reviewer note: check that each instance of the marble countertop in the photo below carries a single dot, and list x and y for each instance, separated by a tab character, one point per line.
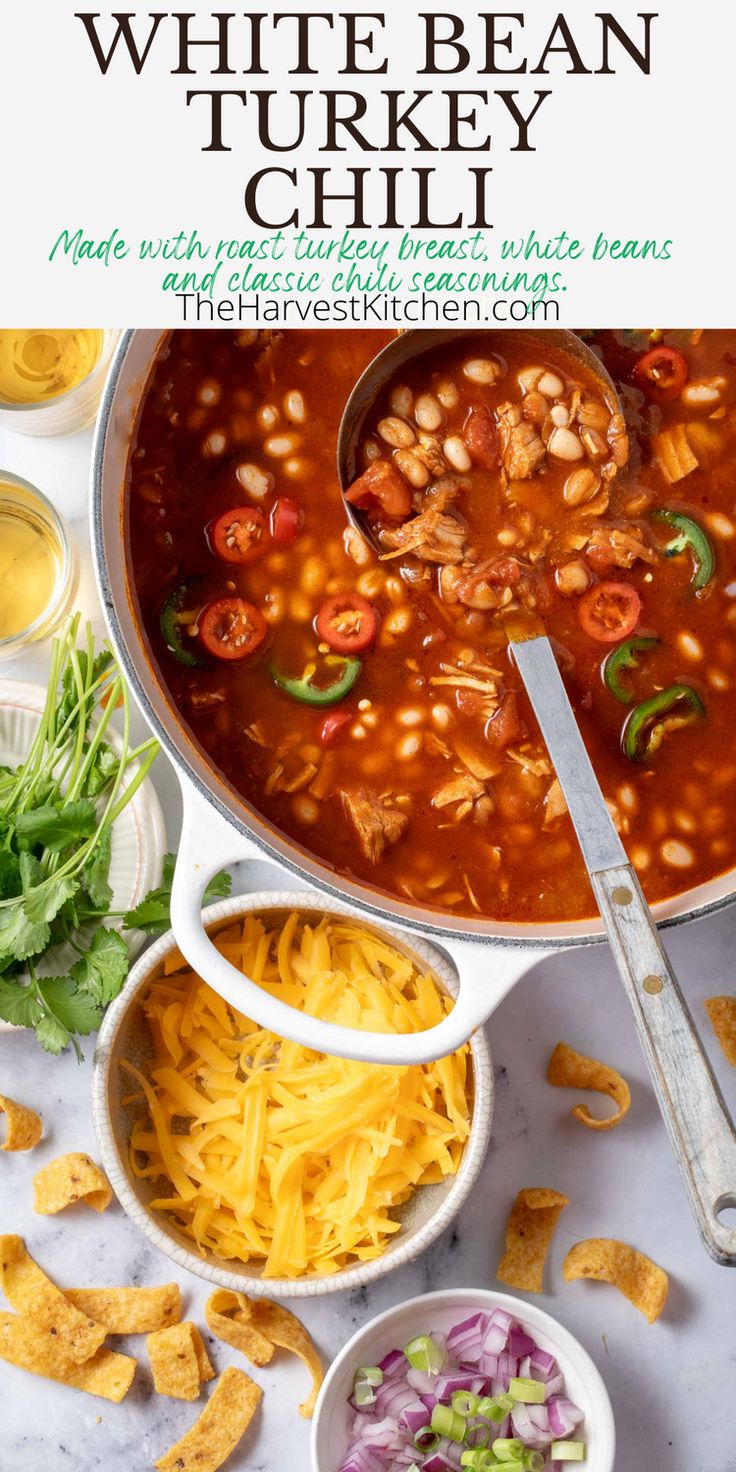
667	1381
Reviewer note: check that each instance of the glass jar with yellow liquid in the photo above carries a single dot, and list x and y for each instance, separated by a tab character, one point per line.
51	378
38	566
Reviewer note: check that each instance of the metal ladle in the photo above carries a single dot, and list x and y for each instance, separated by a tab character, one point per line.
693	1108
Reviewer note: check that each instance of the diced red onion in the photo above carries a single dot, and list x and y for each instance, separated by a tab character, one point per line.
564	1416
383	1434
393	1363
520	1343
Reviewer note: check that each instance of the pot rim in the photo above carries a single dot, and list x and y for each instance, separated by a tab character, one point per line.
359	1274
193	766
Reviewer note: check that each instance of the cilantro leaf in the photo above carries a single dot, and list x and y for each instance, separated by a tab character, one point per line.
19	936
57	826
153	913
52	1035
19	1004
102	771
10	880
73	1009
101	971
45	902
219	887
89	673
96	871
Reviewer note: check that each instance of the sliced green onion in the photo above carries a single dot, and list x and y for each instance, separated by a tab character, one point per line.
426	1440
567	1451
533	1461
423	1354
479	1460
478	1434
495	1407
508	1449
448	1423
529	1392
363	1394
371	1374
465	1402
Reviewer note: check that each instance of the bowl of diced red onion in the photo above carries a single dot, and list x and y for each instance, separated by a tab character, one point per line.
463	1381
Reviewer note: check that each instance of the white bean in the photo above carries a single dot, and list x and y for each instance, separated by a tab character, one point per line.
397	621
442	716
448	394
717	680
410	717
356	547
281	445
572	578
300	608
412	468
565	445
314	575
409	746
550	385
559	416
529	379
428	412
294	406
268	417
209	392
482	370
720	525
370	583
215	443
678	855
401	400
371	452
258	483
396	433
689	646
456	454
305	809
704	393
581	486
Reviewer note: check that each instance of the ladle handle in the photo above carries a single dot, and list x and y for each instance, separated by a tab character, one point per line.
209	843
699	1125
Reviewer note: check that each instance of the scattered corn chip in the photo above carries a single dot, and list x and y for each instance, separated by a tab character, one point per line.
67	1179
293	1160
24	1125
106	1373
529	1232
639	1279
179	1361
256	1326
722	1014
216	1433
50	1312
129	1310
570	1070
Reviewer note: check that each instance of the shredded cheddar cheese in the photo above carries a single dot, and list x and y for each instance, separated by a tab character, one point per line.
268	1152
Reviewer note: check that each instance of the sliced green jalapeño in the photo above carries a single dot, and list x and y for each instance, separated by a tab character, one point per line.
625	657
690	537
650	722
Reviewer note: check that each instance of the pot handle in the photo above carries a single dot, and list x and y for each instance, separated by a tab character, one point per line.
208	843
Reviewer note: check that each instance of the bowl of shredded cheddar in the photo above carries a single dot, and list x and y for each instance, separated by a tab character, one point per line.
264	1166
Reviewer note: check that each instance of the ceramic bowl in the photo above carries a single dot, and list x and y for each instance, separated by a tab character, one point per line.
393	1329
124	1034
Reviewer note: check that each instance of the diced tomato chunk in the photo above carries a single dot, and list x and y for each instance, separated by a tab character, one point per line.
286	519
381	485
505	726
333	724
481	437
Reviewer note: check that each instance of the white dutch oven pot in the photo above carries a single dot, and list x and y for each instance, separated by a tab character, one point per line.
221	828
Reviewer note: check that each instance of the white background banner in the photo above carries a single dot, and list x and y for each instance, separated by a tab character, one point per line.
118	207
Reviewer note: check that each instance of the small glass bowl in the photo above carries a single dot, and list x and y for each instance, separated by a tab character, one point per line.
70	411
19	497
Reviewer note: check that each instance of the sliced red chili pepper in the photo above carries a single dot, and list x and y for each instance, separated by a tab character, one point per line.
286	519
661	374
239	535
230	628
333	724
381	485
347	623
609	611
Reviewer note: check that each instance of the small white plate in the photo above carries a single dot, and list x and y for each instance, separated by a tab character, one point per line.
138	837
